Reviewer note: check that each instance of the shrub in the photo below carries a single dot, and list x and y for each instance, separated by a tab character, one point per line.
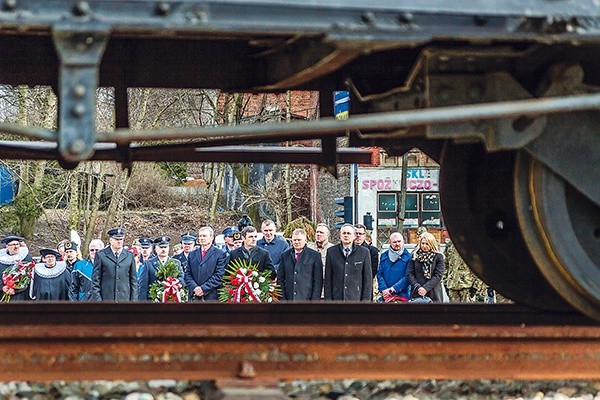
304	223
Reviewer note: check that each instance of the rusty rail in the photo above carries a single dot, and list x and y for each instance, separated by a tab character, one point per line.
294	341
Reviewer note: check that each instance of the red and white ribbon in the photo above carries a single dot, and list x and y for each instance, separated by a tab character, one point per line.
245	286
171	289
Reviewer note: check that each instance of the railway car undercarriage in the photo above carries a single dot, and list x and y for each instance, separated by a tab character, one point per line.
504	98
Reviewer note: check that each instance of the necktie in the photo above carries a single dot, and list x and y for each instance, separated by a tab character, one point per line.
297	256
203	254
346	252
117	255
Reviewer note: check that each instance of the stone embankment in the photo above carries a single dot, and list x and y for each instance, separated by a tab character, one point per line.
302	390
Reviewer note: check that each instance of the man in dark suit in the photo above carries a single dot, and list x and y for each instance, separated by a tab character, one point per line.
206	266
300	272
250	252
114	276
361	235
348	274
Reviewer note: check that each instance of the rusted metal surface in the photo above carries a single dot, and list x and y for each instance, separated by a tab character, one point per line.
294	341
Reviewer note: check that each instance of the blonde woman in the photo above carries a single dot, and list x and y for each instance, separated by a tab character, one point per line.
426	268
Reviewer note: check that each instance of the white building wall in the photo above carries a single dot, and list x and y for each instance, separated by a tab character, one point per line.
371	181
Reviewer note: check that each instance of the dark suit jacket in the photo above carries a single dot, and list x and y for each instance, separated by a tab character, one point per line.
258	256
182	259
303	279
112	280
147	276
205	272
374	257
351	278
417	279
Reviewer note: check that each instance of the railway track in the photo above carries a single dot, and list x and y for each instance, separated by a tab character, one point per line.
69	341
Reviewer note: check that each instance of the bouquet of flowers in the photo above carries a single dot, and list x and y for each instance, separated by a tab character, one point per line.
243	283
168	289
16	278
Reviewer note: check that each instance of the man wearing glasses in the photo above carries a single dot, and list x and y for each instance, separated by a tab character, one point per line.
14	252
114	276
361	235
81	277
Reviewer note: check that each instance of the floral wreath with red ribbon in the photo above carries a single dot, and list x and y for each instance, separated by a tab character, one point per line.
243	283
168	289
16	278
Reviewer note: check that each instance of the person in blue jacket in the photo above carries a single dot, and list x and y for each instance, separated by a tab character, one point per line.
392	273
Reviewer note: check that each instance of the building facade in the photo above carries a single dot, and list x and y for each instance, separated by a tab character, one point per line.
379	192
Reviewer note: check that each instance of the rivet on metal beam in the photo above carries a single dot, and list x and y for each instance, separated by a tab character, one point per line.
77	147
78	110
9	5
81	8
406	18
163	8
247	371
368	18
79	91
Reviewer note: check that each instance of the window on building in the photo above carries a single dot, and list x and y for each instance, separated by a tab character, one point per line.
431	214
411	215
387	210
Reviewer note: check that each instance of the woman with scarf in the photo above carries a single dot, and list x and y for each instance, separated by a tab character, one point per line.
426	268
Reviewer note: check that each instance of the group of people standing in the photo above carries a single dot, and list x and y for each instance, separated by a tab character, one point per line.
305	271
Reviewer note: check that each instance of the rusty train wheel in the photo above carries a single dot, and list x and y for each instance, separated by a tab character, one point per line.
477	194
562	231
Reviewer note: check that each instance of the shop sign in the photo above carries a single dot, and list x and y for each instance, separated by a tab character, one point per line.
417	180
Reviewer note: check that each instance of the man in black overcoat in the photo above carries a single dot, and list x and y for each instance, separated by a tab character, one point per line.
361	235
348	274
300	272
114	277
206	267
250	252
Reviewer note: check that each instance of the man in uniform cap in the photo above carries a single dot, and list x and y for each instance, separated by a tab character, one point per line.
51	279
114	277
188	242
14	253
149	269
206	268
71	254
228	238
147	249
